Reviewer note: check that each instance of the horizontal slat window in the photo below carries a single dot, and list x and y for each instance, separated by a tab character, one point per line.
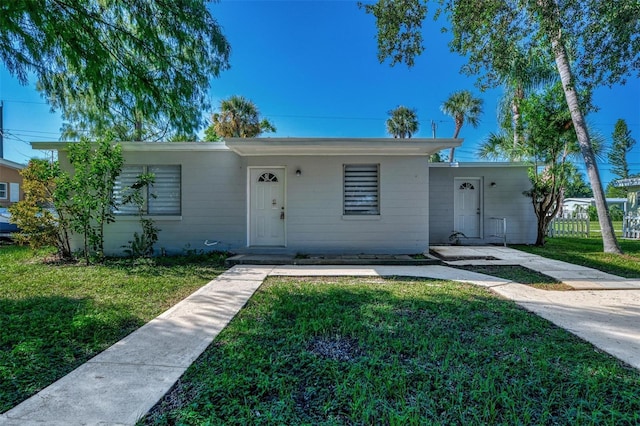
361	189
128	177
163	197
165	190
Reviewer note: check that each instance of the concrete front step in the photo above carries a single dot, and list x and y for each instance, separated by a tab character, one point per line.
368	259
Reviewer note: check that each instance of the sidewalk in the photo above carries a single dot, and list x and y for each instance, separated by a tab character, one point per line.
122	383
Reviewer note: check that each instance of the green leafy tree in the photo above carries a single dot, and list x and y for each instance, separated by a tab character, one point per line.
182	137
576	186
551	140
39	224
601	37
463	107
85	120
210	135
526	71
622	144
402	122
238	118
116	63
86	194
142	243
616	212
549	143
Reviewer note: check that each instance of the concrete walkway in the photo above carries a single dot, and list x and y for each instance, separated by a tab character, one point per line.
578	277
122	383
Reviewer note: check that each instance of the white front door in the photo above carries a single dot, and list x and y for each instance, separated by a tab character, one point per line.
466	206
267	209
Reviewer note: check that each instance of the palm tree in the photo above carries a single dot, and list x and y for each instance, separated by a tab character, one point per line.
239	118
549	143
402	122
524	72
464	108
549	10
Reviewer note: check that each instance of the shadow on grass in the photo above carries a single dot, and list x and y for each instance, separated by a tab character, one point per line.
203	266
375	351
44	338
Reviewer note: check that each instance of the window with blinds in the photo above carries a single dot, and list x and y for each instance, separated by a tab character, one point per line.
161	198
361	189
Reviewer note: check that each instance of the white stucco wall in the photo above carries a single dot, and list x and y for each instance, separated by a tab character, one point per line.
314	215
214	203
504	199
416	202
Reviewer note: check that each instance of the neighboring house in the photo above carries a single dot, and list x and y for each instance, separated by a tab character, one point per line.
317	195
633	194
578	207
10	182
631	223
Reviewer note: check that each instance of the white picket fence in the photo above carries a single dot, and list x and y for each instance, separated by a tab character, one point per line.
569	227
631	227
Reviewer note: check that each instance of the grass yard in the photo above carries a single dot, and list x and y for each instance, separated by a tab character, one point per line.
594	228
519	274
332	351
55	317
588	252
396	352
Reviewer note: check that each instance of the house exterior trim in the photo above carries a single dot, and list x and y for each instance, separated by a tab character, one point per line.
144	146
11	164
338	146
627	183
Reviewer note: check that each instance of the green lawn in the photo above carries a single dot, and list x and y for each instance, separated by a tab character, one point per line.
519	274
588	252
594	228
396	352
55	317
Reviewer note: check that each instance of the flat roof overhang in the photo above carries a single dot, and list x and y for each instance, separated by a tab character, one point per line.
627	183
290	146
143	146
338	146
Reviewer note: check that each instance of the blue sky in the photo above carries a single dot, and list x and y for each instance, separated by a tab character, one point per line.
311	68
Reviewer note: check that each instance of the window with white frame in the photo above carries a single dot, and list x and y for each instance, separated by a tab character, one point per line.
361	189
3	190
163	197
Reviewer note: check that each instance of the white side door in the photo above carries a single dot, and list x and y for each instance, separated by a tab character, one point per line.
466	206
267	209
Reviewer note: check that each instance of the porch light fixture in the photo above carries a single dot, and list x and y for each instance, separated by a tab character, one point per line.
493	184
298	172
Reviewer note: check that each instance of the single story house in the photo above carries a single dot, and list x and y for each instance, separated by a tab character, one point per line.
318	195
633	194
10	182
579	206
631	222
